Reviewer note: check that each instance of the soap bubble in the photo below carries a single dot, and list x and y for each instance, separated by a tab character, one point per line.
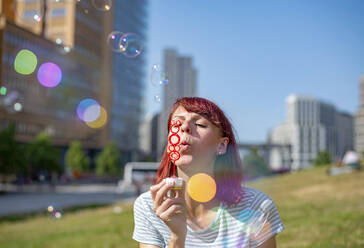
49	75
25	62
114	40
201	187
88	110
158	77
131	45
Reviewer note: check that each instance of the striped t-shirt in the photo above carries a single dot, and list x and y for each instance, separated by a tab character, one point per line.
247	224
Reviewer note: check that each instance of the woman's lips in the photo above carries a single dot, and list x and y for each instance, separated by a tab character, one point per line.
185	146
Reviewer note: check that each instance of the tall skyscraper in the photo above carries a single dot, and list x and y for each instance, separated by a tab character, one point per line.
182	82
128	76
312	126
359	119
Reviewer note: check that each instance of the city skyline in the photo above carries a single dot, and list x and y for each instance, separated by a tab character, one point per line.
270	50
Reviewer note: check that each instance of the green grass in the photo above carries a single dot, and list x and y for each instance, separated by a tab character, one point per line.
317	211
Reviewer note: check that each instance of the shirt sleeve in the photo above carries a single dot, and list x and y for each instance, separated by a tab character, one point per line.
266	223
144	231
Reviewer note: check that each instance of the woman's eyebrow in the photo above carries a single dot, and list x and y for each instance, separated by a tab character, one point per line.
194	116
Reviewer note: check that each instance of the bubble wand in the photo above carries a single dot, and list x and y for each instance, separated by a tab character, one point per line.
174	155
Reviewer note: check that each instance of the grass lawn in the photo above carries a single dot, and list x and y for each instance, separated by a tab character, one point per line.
317	211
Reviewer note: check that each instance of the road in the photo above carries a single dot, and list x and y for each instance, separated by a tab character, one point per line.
37	199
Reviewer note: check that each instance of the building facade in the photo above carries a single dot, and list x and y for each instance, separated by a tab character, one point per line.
89	70
182	82
359	119
128	77
311	126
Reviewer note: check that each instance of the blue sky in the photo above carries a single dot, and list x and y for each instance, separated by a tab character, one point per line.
250	55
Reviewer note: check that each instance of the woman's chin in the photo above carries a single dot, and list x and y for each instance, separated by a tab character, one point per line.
184	160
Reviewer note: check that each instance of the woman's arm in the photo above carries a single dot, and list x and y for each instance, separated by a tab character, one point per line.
270	243
142	245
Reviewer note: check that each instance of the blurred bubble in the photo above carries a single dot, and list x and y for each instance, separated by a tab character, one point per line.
29	16
130	45
158	77
3	90
50	209
67	49
157	98
58	41
25	62
114	40
13	102
18	107
88	110
103	5
100	121
49	75
57	215
117	210
201	187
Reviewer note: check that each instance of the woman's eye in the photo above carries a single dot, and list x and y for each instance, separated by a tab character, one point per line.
200	125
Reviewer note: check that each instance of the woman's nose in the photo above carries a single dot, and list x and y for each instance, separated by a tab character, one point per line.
185	128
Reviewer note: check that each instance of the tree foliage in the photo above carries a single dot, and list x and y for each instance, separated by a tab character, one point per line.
322	158
75	158
108	161
42	155
11	161
254	165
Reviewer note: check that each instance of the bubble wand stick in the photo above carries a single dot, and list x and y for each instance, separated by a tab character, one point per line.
174	155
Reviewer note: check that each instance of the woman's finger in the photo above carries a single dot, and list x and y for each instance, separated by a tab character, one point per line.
167	203
154	189
172	210
160	195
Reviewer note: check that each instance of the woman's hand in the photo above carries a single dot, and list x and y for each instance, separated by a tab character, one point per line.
171	210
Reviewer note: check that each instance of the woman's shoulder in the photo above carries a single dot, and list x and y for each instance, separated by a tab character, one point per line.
256	198
144	200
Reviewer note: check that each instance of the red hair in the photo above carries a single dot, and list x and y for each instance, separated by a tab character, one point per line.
228	169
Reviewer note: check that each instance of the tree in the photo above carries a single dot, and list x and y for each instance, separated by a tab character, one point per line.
108	161
75	159
322	158
10	160
42	155
254	165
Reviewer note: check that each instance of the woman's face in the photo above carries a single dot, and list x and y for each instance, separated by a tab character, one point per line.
200	140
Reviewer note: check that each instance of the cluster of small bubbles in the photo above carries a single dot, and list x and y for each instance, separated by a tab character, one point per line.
53	213
103	5
25	62
201	187
129	44
12	101
49	75
117	210
157	98
92	113
158	77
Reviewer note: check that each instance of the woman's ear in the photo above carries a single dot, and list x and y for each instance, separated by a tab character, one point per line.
222	147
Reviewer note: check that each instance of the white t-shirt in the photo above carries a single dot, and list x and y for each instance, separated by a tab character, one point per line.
249	223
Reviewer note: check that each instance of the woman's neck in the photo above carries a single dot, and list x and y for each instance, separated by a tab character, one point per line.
195	209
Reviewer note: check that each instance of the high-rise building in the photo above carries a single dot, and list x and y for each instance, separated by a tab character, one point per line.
128	76
89	70
182	82
359	119
312	126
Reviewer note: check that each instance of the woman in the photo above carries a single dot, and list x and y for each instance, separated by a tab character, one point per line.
236	216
